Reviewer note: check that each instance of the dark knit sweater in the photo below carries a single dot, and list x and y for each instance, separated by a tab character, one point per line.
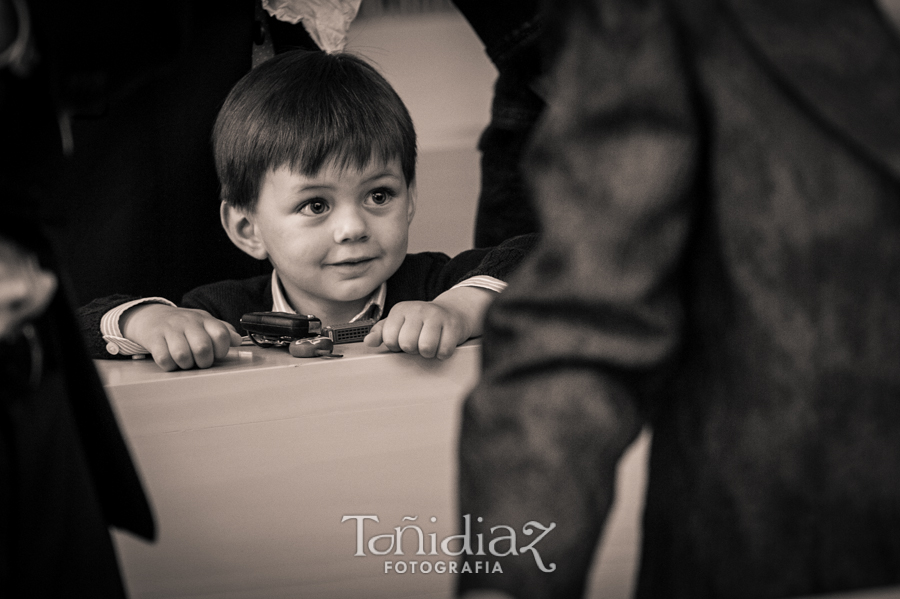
420	277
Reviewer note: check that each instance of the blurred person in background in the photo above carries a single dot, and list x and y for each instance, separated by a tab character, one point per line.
66	475
513	33
718	184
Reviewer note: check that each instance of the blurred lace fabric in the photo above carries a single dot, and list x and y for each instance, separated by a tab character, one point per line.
327	21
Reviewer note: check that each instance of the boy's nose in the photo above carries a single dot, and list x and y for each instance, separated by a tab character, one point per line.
350	225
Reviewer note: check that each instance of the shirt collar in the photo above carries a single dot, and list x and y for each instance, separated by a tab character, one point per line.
372	309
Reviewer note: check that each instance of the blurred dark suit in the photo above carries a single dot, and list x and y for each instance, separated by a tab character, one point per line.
512	32
66	474
719	189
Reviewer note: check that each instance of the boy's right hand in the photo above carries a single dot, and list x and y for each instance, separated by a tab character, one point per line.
178	337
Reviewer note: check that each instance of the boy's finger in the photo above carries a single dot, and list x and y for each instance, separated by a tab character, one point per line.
180	350
408	338
235	337
373	339
202	346
447	346
159	350
222	336
430	339
390	331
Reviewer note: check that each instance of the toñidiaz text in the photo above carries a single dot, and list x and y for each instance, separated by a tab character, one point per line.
503	541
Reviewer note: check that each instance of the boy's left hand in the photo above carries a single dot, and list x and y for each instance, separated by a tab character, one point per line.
433	329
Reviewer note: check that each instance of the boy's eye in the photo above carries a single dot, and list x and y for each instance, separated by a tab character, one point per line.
314	207
379	197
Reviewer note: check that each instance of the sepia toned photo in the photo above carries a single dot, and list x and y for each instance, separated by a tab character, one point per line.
427	299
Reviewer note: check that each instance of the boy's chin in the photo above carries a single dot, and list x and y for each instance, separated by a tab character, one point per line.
354	295
355	290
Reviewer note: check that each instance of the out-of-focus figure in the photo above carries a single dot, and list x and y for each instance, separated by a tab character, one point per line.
65	471
513	33
718	183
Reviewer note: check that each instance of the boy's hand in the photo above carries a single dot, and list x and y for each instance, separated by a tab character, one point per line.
433	329
178	337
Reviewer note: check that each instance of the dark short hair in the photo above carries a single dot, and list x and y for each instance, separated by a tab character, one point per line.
303	109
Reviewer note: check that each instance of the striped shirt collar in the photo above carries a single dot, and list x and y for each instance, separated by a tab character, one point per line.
372	309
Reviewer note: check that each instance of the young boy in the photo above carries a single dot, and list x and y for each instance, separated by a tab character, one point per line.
316	158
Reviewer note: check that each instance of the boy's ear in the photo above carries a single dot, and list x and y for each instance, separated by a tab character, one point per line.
411	208
241	228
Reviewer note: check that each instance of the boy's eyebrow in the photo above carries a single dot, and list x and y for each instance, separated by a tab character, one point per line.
325	185
381	174
310	186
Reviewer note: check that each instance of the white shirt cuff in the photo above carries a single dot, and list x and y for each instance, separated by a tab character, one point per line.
484	282
116	344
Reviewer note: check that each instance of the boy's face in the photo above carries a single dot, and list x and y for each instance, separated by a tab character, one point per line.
336	236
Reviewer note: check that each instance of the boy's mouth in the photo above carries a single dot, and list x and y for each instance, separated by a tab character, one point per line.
351	262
